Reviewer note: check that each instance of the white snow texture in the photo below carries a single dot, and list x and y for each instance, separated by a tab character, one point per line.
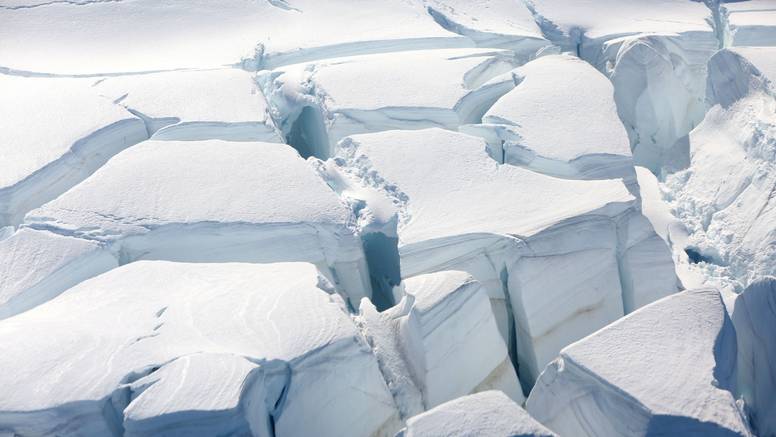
411	218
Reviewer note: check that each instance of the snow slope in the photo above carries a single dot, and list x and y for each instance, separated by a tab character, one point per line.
725	197
221	104
149	35
54	133
528	234
488	413
158	348
667	368
190	210
35	266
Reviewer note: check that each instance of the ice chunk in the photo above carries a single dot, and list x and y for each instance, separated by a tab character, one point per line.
545	249
439	342
206	201
726	196
750	23
156	344
221	104
318	104
655	53
151	35
667	368
489	413
754	317
659	89
35	266
451	340
55	132
585	139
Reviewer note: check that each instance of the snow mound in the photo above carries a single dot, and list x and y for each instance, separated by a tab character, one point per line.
55	133
221	104
226	348
189	210
725	197
317	104
667	368
754	317
586	139
528	234
489	413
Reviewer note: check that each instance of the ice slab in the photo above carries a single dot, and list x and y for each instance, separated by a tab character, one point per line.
150	35
544	248
206	201
585	139
221	104
754	317
451	340
438	343
750	23
55	132
318	104
725	197
36	266
666	368
654	52
488	413
233	348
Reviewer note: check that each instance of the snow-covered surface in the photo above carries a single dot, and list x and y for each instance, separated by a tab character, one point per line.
726	196
668	367
655	52
489	413
587	139
320	103
490	23
195	105
150	35
670	229
609	18
751	23
54	133
454	181
528	234
142	348
35	266
189	210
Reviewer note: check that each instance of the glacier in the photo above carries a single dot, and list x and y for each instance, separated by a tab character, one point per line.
387	218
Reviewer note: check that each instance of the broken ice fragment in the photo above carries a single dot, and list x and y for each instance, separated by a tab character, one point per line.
667	368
